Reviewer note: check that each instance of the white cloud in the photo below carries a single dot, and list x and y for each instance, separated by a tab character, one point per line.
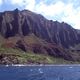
72	16
30	4
50	10
17	2
1	2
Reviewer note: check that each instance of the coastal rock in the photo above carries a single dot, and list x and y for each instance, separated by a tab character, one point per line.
8	59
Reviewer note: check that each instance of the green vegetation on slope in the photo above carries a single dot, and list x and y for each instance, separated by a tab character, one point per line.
17	56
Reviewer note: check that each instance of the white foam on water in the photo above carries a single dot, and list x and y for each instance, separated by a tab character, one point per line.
40	70
7	65
42	65
71	67
31	69
18	65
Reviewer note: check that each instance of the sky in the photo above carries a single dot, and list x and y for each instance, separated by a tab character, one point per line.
61	10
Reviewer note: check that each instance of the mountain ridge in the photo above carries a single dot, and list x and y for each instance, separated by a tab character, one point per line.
36	21
32	32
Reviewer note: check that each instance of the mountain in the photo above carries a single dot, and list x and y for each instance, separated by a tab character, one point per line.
29	31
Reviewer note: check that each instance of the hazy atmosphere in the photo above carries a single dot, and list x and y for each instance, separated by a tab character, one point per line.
60	10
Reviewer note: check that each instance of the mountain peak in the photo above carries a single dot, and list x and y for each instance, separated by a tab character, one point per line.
16	9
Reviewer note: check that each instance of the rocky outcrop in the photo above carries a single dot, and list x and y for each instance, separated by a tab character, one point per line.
8	59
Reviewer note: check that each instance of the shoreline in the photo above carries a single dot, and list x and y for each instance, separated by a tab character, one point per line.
21	65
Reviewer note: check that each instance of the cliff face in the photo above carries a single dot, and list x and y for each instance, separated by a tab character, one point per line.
31	31
24	22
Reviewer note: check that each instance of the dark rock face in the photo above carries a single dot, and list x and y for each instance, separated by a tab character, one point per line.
22	23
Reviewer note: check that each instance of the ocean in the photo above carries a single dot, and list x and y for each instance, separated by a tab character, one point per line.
53	72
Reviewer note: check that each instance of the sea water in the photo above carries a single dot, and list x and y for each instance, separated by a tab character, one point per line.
53	72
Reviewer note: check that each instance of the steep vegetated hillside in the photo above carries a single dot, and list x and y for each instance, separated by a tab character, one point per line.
33	33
